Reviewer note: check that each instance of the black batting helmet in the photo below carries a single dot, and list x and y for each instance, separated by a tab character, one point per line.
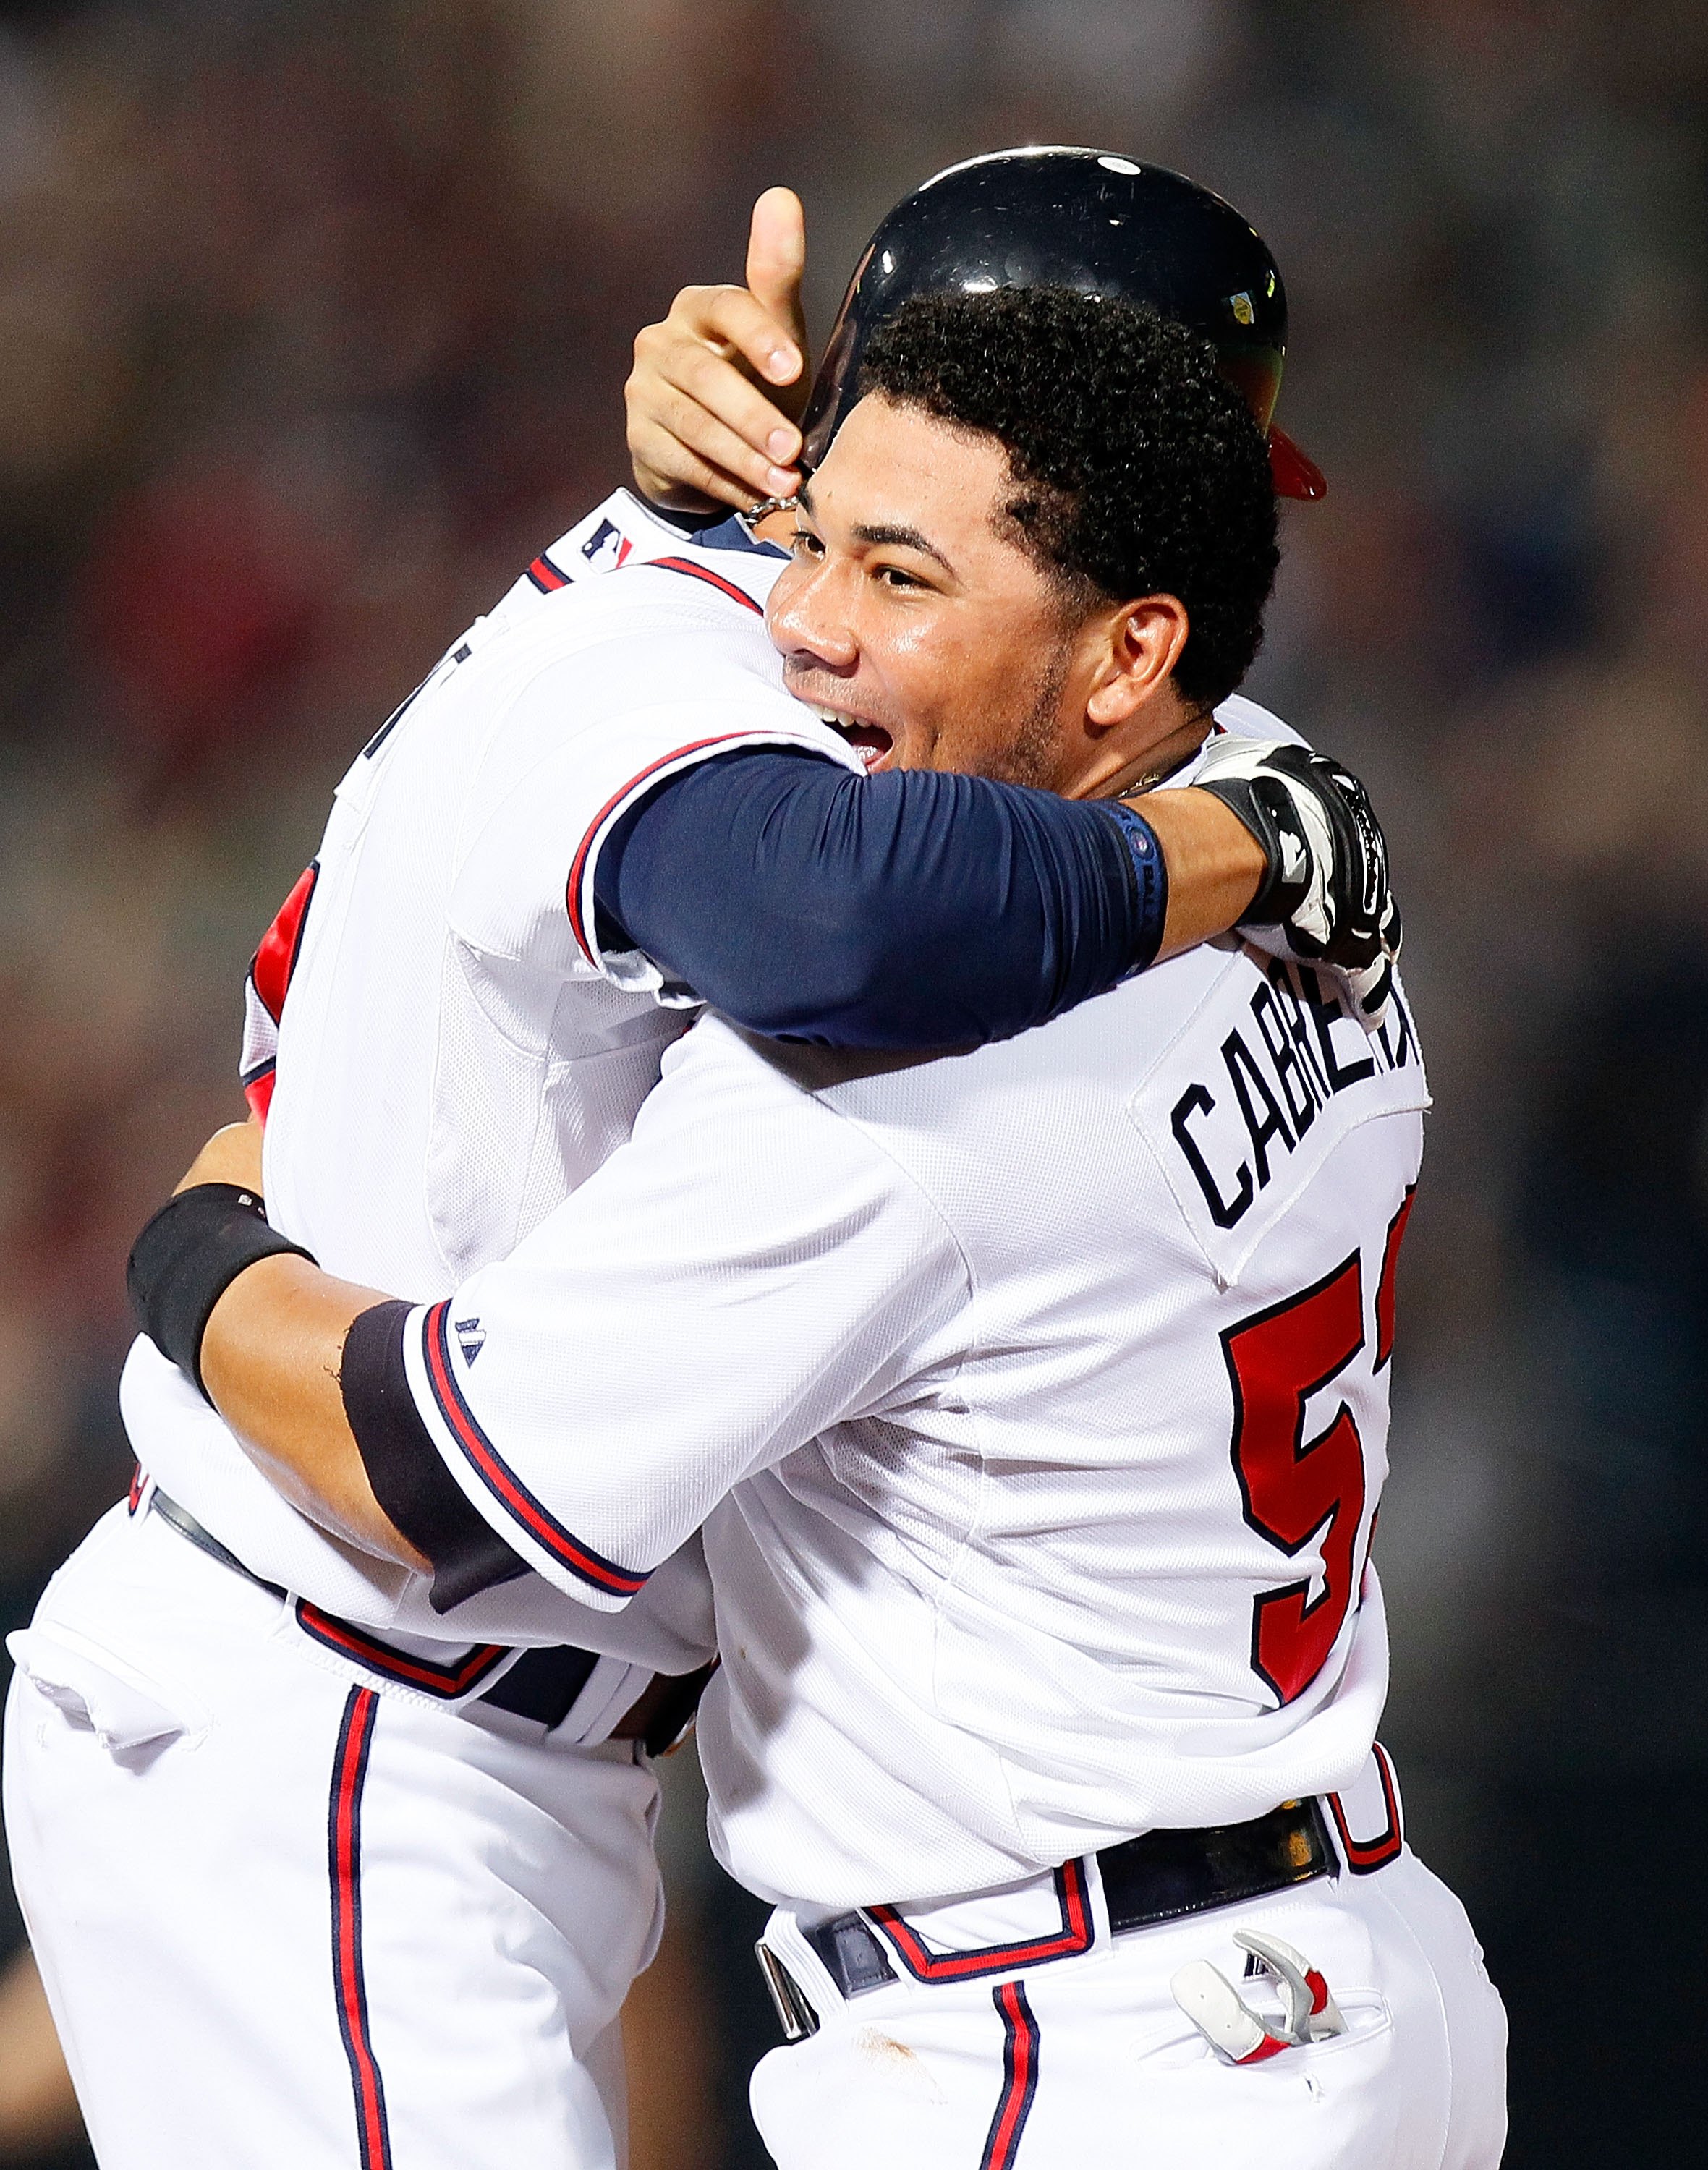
1051	215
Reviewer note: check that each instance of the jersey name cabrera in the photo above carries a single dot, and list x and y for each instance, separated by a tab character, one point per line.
1095	1557
440	1050
1033	1403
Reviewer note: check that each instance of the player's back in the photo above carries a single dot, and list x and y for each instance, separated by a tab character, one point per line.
449	1065
437	1061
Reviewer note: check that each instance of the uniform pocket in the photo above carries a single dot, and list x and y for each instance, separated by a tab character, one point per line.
99	1692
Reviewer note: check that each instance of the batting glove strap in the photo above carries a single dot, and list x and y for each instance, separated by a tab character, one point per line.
1326	881
1274	816
187	1258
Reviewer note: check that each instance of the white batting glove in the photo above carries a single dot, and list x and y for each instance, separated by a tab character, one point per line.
1325	894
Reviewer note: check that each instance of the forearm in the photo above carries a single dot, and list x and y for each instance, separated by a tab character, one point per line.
910	910
270	1358
1214	865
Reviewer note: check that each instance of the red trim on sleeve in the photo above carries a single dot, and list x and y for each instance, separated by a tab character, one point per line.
502	1481
281	946
572	887
258	1089
545	575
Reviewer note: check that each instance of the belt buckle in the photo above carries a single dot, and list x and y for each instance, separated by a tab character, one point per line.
795	2014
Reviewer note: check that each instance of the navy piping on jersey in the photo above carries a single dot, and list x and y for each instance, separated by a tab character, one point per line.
1074	1937
411	1478
444	1681
545	575
1019	2076
502	1481
350	1983
395	718
572	887
246	1078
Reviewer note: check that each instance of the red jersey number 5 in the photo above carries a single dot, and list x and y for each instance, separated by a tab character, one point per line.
1295	1488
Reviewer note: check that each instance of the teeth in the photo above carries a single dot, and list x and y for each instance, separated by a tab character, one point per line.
840	720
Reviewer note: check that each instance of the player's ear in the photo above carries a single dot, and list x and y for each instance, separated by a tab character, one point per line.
1139	644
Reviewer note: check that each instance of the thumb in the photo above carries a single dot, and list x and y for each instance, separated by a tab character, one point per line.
777	261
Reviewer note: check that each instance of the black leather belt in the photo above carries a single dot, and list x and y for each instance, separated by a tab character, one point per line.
542	1684
1166	1873
1158	1877
181	1520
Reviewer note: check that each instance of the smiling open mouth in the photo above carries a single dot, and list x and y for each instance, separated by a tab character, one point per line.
871	741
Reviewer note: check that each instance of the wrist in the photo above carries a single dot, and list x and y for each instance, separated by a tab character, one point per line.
187	1256
1150	873
1215	866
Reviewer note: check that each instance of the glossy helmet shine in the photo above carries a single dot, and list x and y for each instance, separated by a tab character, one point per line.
1054	215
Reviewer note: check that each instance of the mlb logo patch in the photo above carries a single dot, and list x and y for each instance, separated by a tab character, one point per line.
606	546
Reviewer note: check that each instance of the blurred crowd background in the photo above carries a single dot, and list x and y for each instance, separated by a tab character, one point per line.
314	318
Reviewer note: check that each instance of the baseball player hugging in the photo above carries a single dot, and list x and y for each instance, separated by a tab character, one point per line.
1011	1421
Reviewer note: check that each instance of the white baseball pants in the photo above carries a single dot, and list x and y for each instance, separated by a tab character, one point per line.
286	1919
1089	2061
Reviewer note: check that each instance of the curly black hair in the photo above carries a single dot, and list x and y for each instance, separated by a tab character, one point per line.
1137	468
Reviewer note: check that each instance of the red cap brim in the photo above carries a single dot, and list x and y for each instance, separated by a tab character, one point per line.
1296	473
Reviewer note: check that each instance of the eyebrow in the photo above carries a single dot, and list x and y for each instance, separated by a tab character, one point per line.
904	538
900	538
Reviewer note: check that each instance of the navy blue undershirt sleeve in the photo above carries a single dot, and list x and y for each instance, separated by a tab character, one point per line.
906	910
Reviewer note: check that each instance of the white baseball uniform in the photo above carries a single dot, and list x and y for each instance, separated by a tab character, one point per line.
1034	1404
455	1056
300	1892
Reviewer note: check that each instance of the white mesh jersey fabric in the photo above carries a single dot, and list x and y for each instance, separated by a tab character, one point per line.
451	1061
1035	1519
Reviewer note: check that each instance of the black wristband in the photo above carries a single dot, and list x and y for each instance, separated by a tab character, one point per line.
1263	804
187	1258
